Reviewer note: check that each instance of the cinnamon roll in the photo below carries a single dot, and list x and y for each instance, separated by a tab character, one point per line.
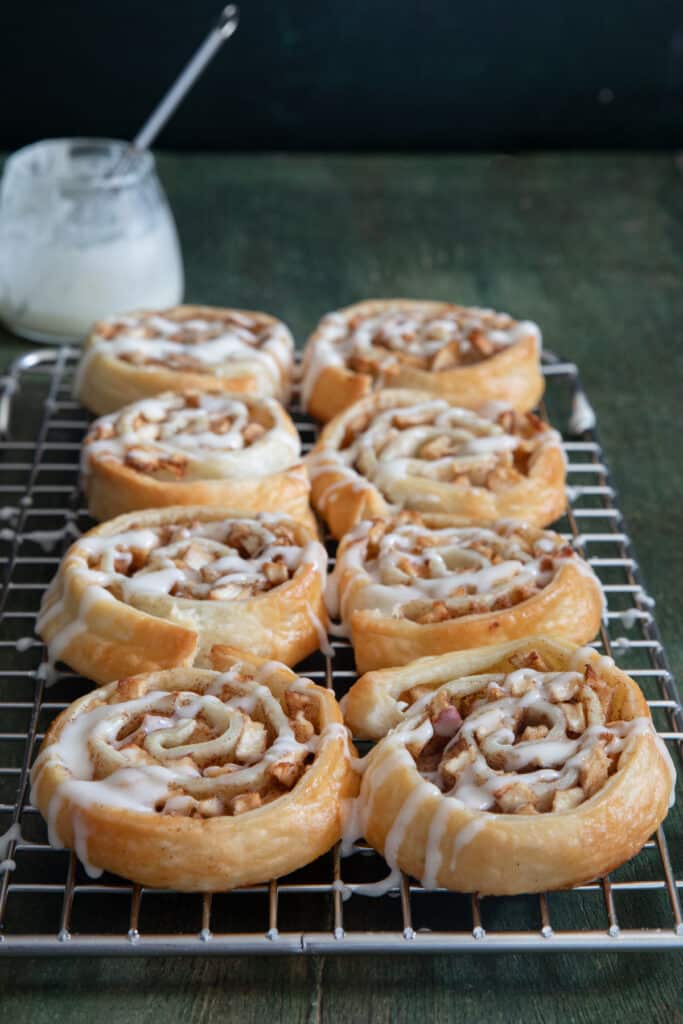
407	449
517	768
196	448
197	780
413	585
158	588
466	354
139	354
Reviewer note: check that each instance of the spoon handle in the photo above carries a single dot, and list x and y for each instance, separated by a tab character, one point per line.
222	30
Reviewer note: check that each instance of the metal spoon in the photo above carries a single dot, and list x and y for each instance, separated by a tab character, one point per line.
225	27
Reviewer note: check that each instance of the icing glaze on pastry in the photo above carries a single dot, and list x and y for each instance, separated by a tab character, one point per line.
380	339
169	583
430	574
414	584
196	448
477	757
141	354
195	436
199	746
198	344
433	440
406	449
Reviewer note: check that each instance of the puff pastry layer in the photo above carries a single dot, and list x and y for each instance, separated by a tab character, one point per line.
406	449
413	585
469	355
159	588
197	780
183	348
196	448
518	768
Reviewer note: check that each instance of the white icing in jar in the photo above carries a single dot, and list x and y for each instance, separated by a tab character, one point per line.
83	234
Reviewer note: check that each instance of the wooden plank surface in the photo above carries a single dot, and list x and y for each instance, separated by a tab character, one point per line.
592	248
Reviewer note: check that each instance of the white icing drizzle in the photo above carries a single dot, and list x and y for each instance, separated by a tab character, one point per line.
225	345
195	436
629	617
543	764
404	819
380	342
416	447
11	835
381	887
465	837
46	539
217	560
466	570
146	756
338	629
80	834
323	641
582	416
437	830
345	891
490	756
47	672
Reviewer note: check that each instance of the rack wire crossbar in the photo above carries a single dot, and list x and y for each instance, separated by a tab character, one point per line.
49	906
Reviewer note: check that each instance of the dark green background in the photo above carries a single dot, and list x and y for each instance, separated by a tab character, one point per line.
592	248
374	74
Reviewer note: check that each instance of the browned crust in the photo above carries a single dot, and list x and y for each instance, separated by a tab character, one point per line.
118	640
113	489
109	383
213	854
512	375
513	854
569	607
538	498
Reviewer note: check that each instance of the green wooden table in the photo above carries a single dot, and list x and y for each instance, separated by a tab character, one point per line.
590	246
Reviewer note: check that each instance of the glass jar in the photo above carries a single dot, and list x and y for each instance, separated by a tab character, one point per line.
85	232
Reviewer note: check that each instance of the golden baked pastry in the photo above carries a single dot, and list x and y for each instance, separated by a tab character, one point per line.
197	780
158	588
466	354
413	585
196	448
139	354
407	449
518	768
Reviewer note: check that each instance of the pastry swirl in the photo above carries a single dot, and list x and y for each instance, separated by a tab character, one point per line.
196	448
406	449
197	780
183	348
158	588
413	585
466	354
518	768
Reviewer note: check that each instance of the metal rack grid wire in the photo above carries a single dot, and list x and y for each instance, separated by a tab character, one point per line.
48	905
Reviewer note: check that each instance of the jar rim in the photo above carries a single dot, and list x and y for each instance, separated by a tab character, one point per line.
139	163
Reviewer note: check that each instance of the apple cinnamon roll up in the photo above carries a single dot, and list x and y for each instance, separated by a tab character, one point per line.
184	348
413	585
159	588
197	780
406	449
514	769
465	354
196	448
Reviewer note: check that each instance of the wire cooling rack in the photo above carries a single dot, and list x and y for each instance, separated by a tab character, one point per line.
48	905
